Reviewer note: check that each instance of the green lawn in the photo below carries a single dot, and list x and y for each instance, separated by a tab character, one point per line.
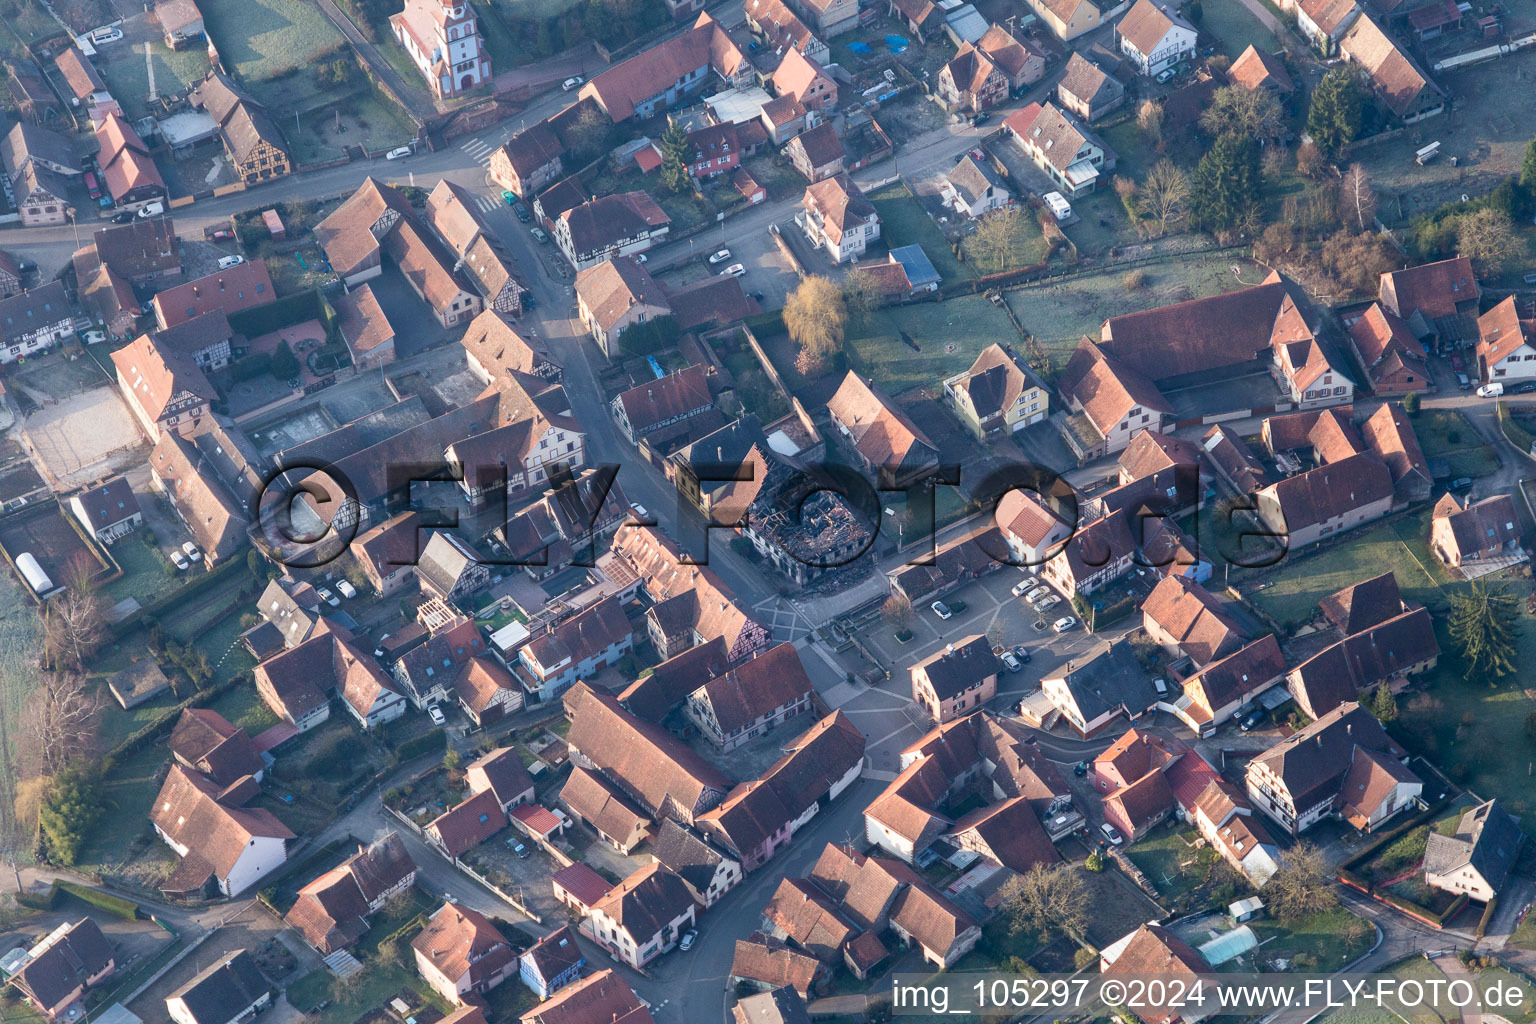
1522	1013
127	73
265	38
368	991
127	794
1524	936
1029	246
903	221
951	335
147	574
1446	434
1332	940
1399	546
1230	25
1169	858
243	707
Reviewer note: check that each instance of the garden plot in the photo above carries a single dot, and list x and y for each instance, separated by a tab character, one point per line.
83	437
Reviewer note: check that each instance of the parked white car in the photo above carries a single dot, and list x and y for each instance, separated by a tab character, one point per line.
573	82
1038	594
1065	623
941	609
719	256
190	550
398	153
735	270
178	558
436	714
225	262
1047	604
1023	587
328	597
1111	833
106	35
348	591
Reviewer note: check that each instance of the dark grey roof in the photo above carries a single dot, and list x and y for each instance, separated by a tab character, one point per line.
224	990
689	857
960	666
27	141
194	335
1487	839
57	971
1110	679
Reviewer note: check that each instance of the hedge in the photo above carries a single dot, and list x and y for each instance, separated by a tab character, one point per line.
1424	914
117	905
124	908
1487	918
427	743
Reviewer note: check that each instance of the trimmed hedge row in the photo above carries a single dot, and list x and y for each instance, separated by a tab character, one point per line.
115	905
1487	918
1422	913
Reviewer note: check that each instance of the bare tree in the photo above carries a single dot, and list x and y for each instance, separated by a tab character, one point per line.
816	317
59	722
996	240
1357	195
1301	886
862	295
1251	112
1488	239
897	611
587	135
74	621
1149	118
1165	193
1047	899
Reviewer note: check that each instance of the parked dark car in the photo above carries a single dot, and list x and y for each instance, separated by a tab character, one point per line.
1252	720
1523	388
123	218
1022	653
1461	483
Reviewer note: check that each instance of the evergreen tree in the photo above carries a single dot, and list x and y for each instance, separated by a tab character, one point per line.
1337	112
674	163
1483	627
68	813
1383	704
285	365
1528	167
1225	188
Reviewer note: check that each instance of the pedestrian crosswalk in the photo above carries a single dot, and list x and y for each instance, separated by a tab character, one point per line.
486	203
479	150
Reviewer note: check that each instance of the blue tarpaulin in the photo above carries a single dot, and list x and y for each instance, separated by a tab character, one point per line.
860	48
896	44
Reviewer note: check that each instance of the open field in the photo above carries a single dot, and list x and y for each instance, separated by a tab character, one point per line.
1399	546
127	796
1029	246
128	73
903	221
265	38
1060	313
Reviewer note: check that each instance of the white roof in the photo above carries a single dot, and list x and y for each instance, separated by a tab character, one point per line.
737	105
510	636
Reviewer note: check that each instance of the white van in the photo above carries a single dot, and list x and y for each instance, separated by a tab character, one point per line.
225	262
153	209
1493	390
